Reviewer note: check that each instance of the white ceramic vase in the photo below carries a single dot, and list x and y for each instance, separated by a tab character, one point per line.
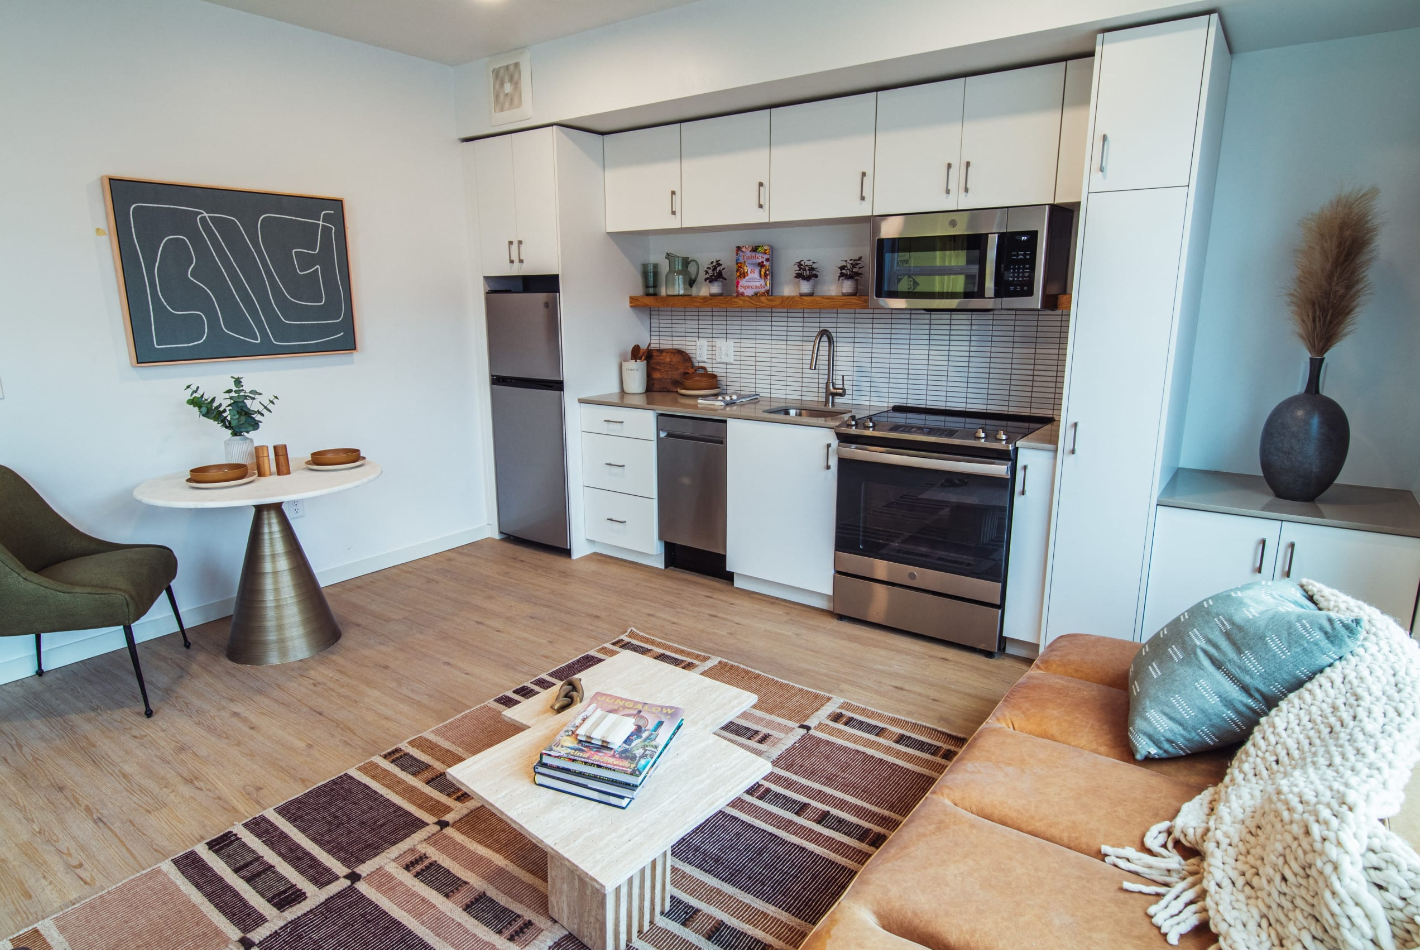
716	287
848	287
240	448
806	288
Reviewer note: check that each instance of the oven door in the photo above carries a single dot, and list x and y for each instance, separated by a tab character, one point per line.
935	522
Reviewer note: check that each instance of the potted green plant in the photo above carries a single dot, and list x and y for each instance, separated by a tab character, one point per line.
806	272
239	410
848	274
715	278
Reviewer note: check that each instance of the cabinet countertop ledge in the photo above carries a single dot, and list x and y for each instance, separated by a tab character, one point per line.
676	404
1382	510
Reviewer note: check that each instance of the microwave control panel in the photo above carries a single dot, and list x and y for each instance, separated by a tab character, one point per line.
1016	263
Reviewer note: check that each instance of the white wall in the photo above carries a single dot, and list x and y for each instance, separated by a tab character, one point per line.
190	91
1303	122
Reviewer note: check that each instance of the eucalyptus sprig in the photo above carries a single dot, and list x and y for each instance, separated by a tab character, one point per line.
242	411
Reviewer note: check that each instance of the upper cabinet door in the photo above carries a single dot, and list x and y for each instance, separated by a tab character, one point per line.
821	159
1074	131
497	215
1146	105
643	179
724	168
918	151
1381	569
1010	137
535	197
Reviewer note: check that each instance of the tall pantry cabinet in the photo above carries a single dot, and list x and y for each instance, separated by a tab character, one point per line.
1155	127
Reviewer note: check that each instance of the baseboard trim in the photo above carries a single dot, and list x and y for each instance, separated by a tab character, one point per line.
1022	648
61	649
809	598
626	554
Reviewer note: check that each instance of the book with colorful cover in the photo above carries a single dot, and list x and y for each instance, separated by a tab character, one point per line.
622	785
581	791
605	774
655	723
752	270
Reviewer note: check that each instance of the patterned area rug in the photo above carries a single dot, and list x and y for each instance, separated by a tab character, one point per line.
393	856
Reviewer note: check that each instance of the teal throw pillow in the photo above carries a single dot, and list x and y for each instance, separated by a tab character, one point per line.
1216	669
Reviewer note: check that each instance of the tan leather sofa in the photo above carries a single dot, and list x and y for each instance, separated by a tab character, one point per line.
1004	852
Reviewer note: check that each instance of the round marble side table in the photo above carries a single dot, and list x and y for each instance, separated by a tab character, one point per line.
280	613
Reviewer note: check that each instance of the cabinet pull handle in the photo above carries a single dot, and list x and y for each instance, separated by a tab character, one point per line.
966	178
619	422
673	202
520	252
1074	436
828	457
617	520
949	178
1025	470
510	252
1291	553
761	194
1104	151
863	187
1261	556
614	464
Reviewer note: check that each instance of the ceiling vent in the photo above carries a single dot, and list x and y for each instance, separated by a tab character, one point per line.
510	87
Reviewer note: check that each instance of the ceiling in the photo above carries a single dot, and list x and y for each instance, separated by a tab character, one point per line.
451	31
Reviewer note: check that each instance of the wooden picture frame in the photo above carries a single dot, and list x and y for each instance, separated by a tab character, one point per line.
211	272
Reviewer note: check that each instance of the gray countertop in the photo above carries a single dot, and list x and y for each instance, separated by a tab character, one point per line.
1382	510
690	406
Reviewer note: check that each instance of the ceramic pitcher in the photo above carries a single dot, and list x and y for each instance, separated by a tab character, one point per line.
681	276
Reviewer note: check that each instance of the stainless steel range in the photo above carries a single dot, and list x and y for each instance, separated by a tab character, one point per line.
924	520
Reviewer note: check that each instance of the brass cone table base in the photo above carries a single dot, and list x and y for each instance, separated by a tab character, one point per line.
281	613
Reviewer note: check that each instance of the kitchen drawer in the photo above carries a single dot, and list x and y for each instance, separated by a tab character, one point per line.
617	464
629	423
623	520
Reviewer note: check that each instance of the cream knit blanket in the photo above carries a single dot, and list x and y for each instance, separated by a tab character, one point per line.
1292	852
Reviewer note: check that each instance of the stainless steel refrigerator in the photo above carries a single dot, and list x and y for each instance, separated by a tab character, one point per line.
529	450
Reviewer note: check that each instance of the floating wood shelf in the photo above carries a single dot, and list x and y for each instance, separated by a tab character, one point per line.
755	303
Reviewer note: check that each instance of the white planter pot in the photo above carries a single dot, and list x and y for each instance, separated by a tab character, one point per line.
806	288
716	287
240	448
848	288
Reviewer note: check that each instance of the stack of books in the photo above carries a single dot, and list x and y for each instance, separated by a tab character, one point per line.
609	749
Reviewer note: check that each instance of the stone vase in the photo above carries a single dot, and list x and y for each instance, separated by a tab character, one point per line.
1304	442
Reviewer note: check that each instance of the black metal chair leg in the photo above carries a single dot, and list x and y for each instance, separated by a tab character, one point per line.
172	602
39	655
133	652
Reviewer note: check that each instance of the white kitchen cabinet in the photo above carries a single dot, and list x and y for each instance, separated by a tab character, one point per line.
1030	535
619	464
917	164
623	521
1200	553
724	169
1147	105
614	420
643	179
821	159
780	490
517	203
1381	569
1010	137
1119	354
619	475
1074	131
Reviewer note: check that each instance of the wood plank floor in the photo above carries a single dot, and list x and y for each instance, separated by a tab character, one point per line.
91	792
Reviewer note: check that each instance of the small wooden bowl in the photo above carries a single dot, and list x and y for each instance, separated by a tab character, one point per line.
335	456
222	472
700	379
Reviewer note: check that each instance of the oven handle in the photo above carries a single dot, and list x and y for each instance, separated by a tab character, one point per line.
939	463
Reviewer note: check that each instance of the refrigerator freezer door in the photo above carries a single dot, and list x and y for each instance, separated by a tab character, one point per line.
524	339
530	472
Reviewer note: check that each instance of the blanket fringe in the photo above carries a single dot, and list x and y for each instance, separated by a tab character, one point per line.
1180	882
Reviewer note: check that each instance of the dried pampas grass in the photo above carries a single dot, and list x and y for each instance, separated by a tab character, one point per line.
1334	259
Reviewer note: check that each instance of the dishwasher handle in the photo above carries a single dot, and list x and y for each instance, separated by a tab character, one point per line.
691	437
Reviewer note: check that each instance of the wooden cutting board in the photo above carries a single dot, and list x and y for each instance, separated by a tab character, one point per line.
665	369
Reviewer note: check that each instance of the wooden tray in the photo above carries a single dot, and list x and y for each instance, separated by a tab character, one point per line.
666	368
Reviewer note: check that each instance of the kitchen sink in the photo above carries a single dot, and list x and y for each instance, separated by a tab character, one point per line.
807	413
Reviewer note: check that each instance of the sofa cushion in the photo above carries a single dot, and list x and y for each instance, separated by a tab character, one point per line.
1102	660
1073	798
950	880
1211	674
1094	718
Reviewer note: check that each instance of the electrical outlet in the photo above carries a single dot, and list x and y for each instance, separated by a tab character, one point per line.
725	351
295	509
702	351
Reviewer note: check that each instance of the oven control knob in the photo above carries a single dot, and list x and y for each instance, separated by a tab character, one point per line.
868	424
1000	435
852	422
981	434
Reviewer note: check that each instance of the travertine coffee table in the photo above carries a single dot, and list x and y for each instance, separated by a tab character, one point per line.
608	870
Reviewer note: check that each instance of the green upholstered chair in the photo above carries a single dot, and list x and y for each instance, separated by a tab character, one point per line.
55	577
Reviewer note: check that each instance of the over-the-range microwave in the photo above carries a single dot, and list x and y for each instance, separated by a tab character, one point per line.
986	259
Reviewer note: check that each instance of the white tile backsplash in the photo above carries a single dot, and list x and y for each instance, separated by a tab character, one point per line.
1006	361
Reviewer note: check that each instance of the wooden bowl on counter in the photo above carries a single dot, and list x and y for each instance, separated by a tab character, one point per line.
701	379
335	456
221	472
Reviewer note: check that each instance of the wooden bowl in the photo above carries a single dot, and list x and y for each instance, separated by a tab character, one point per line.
222	472
700	379
335	456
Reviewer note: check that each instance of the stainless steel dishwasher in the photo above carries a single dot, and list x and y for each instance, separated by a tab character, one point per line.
690	461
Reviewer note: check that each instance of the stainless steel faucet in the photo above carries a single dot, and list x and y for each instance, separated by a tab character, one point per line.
830	391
